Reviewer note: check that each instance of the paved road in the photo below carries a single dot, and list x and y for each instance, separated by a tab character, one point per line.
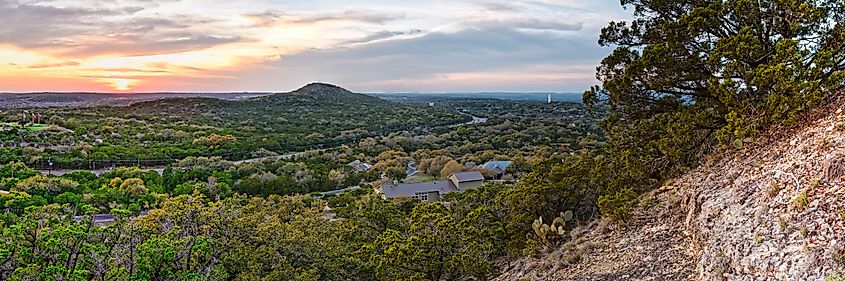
339	191
280	157
160	169
475	120
98	172
106	219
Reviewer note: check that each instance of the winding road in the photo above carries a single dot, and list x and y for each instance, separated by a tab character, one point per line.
475	120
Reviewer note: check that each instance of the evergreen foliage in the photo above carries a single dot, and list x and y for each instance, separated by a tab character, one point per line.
689	77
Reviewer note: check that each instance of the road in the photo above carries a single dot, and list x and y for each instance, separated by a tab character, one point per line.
98	172
160	169
106	219
475	120
280	157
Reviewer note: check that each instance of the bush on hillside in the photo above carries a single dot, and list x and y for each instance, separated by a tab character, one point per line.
688	77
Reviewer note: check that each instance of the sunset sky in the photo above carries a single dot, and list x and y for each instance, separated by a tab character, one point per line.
275	46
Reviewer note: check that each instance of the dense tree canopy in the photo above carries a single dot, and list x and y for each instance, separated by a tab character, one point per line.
688	75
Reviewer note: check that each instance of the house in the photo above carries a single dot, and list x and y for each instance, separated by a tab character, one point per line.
432	191
358	166
424	191
497	167
464	181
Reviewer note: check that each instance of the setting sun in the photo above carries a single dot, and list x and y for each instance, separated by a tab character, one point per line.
121	84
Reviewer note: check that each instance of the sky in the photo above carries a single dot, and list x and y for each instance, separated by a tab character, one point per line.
277	46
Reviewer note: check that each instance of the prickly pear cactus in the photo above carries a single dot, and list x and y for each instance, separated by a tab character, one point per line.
567	216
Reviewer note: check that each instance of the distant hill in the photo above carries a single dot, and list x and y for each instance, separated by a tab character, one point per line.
317	115
326	90
320	92
515	96
44	100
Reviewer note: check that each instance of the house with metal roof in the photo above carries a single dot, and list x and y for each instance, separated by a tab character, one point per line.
424	191
499	168
432	191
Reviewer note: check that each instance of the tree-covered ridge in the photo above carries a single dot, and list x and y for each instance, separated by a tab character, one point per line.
251	220
687	78
316	116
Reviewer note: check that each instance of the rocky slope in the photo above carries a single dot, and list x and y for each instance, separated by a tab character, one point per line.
774	210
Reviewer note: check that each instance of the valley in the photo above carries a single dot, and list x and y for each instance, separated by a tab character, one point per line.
158	140
122	169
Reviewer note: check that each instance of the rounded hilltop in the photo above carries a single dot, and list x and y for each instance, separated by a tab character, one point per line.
326	92
322	88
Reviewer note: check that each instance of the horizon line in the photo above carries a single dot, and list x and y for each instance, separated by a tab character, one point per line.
270	92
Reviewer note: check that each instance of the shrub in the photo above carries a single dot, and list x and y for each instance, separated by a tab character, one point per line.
835	277
618	206
801	201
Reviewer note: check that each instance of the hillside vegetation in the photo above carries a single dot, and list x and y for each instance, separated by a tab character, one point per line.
162	131
690	81
702	169
309	217
770	211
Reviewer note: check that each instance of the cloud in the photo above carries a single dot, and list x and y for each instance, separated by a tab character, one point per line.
80	32
277	18
373	45
536	24
54	65
441	61
383	35
138	45
502	7
53	24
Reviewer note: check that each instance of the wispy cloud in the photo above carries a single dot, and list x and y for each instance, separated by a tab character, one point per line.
278	18
32	25
54	65
275	45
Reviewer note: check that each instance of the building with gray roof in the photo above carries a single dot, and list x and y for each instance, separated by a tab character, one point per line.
464	181
432	191
424	191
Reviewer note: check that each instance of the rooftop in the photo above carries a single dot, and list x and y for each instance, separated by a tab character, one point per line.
503	165
468	176
410	189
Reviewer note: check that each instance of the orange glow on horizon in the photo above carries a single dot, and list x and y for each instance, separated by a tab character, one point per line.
121	84
30	70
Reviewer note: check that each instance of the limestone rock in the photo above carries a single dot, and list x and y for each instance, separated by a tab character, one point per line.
833	168
722	222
